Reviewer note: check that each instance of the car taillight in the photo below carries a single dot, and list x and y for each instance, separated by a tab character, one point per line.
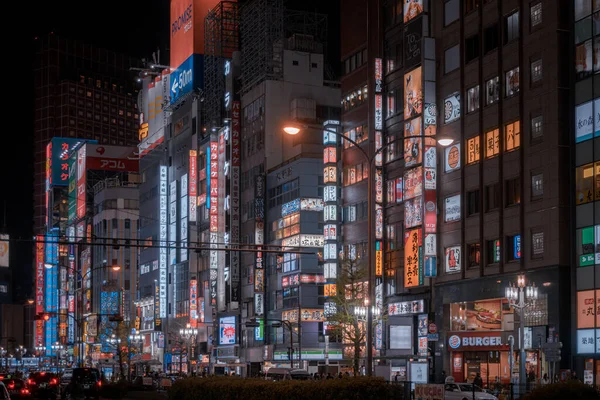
30	382
24	391
53	381
99	383
11	386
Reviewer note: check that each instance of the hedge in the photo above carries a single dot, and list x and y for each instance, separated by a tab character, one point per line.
234	388
563	391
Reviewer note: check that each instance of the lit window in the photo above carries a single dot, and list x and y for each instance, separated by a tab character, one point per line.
537	130
492	91
511	27
536	71
537	243
512	136
512	82
473	150
536	14
492	143
584	183
537	185
473	99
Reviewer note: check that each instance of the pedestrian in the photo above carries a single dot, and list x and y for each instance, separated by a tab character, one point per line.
397	376
340	375
573	376
478	381
545	380
329	375
443	376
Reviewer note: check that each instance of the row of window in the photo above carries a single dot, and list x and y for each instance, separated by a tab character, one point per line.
493	197
354	99
512	141
98	106
587	183
358	134
355	212
355	173
101	84
355	61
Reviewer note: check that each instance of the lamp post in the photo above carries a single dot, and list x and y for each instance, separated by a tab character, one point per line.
188	333
294	128
521	296
137	339
57	348
40	350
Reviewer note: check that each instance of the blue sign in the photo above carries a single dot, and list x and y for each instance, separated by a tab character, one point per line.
290	208
430	266
187	77
517	247
60	148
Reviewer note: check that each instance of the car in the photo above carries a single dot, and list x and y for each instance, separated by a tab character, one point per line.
281	374
85	382
44	385
65	379
4	395
466	391
17	388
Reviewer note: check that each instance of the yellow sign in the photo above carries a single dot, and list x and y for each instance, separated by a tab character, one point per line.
378	263
143	131
413	273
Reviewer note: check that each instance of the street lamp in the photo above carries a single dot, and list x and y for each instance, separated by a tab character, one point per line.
40	350
187	333
520	297
57	348
294	128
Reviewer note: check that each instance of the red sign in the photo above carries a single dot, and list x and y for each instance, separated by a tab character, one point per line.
39	333
430	212
235	135
112	158
214	187
432	327
193	303
429	391
39	275
81	182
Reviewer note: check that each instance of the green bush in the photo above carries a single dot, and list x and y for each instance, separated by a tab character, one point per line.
562	391
232	388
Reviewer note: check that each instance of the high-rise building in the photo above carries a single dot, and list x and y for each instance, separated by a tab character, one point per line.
455	225
81	92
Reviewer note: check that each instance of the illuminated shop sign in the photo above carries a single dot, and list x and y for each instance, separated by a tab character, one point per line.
162	263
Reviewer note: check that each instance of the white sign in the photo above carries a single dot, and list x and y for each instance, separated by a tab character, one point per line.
4	241
453	261
330	193
430	244
452	158
330	270
330	213
400	337
586	341
162	263
406	307
584	122
452	208
259	305
311	204
452	108
330	232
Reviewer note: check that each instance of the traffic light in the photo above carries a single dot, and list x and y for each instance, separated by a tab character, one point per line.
42	317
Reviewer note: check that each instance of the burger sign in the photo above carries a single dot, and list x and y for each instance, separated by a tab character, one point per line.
476	341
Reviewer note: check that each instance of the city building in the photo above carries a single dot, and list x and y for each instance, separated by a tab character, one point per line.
458	224
585	343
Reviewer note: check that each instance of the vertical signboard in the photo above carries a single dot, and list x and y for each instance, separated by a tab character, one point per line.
413	271
81	182
330	229
162	262
193	184
193	303
223	270
212	202
72	190
259	228
183	219
235	199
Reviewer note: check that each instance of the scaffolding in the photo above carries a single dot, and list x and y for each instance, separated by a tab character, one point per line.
221	40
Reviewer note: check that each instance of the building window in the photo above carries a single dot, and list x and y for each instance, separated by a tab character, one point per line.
512	82
354	98
513	248
536	14
511	27
492	91
584	183
537	130
391	103
492	197
492	143
512	136
537	244
473	202
473	150
471	48
537	185
451	11
474	252
452	59
358	134
493	251
536	71
3	288
490	38
513	191
471	5
473	99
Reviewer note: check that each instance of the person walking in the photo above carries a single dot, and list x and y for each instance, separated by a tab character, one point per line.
545	380
478	381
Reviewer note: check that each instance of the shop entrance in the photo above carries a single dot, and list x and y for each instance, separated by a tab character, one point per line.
490	364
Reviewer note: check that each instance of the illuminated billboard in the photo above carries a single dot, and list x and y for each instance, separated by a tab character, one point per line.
162	265
413	272
81	182
57	166
227	330
412	9
4	250
111	158
187	77
413	93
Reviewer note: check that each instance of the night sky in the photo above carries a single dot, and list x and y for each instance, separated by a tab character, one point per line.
133	27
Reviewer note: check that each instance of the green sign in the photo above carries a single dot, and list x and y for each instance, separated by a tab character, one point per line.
586	248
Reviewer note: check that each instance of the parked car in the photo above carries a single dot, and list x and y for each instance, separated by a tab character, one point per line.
44	385
17	388
85	383
466	391
280	374
65	379
3	392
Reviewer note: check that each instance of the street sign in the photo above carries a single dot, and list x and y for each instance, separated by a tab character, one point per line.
432	327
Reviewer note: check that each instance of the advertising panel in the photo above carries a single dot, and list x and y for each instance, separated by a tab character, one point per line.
412	9
430	212
400	337
4	250
413	212
430	119
399	190
586	341
413	273
187	77
452	108
309	204
312	315
452	157
227	330
412	151
452	208
379	221
588	308
413	93
193	184
193	303
111	158
412	127
39	275
259	212
412	43
58	162
429	391
413	183
81	182
234	199
584	121
378	75
453	261
378	112
162	263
